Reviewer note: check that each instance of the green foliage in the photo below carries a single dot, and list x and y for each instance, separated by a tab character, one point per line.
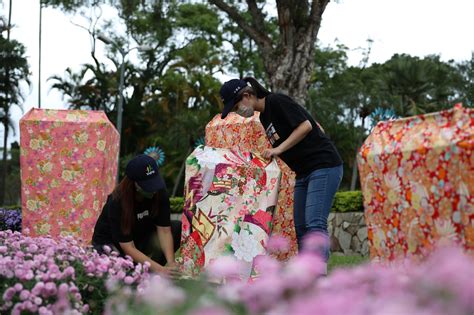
13	70
173	91
348	201
338	261
177	204
466	85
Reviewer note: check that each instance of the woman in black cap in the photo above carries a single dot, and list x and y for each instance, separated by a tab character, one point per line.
135	220
301	143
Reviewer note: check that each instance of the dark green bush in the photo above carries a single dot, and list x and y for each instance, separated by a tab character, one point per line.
177	204
348	201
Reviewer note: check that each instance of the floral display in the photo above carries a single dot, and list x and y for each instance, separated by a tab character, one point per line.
10	219
247	134
68	167
157	153
417	178
441	284
230	198
42	275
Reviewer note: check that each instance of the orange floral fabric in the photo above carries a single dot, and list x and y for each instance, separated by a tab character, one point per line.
68	167
417	178
247	134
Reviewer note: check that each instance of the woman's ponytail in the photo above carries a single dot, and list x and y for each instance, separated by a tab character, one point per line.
260	91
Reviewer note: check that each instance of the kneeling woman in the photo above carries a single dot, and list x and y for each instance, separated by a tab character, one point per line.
135	220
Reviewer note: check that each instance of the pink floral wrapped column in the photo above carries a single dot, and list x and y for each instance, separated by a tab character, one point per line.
247	134
417	177
68	167
230	198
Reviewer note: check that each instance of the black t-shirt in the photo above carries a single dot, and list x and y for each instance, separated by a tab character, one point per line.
315	151
108	227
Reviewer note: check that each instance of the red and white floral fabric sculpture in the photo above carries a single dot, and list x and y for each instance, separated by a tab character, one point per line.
230	198
247	134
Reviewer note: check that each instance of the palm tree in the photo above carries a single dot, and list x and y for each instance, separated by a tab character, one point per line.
13	70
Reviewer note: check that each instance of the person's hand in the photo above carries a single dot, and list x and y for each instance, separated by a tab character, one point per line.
171	271
269	153
172	264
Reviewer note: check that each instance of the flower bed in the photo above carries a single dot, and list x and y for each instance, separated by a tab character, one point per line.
440	285
10	219
47	276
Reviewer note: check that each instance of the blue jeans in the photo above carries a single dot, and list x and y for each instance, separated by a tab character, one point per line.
314	195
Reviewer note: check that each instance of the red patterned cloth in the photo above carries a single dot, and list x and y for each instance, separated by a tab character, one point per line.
417	178
247	134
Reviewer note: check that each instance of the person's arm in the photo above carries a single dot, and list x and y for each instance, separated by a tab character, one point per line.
166	242
295	137
139	257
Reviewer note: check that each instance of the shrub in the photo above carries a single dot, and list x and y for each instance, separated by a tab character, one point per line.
348	201
176	204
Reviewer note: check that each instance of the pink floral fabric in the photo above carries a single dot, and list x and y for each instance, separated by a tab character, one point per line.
247	134
230	198
417	178
68	167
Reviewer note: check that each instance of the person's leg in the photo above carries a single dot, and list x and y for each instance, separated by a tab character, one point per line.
299	203
322	186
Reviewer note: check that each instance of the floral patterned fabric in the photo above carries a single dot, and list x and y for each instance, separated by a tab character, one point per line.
417	178
247	134
68	167
230	198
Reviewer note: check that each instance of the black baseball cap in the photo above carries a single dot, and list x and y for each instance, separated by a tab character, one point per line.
229	91
144	171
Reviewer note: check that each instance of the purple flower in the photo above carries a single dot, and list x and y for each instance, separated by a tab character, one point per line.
210	310
9	294
277	244
10	219
225	267
24	294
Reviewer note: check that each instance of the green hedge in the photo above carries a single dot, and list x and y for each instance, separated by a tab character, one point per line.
177	204
11	207
345	201
348	201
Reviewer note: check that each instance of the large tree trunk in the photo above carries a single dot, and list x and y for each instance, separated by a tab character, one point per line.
290	61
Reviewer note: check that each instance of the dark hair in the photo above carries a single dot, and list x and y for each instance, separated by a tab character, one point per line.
258	89
240	94
125	193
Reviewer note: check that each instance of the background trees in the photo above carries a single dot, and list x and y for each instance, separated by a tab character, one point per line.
172	90
14	71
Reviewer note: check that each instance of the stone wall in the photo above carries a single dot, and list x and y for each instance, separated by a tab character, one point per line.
348	233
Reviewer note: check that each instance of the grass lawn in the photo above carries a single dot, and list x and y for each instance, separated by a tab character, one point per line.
340	261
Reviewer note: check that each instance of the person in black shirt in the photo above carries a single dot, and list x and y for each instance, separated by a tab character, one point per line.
135	220
301	143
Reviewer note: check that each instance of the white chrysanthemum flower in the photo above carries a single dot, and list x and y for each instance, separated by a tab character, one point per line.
245	246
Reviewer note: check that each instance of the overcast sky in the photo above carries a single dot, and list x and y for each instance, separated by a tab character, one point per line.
415	27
